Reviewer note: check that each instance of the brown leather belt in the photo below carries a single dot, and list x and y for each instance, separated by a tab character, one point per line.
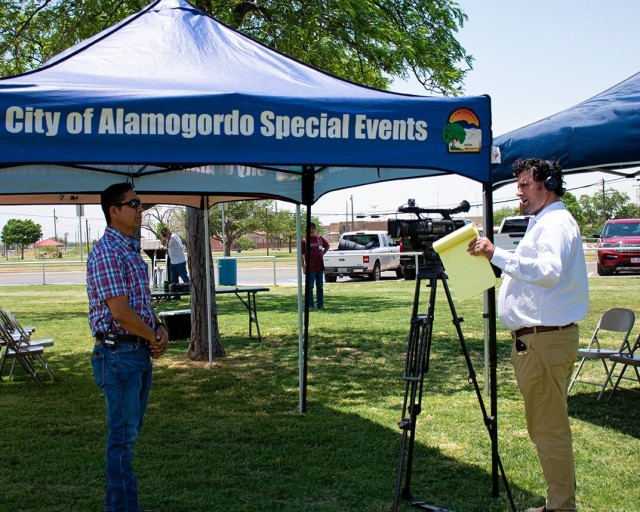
540	328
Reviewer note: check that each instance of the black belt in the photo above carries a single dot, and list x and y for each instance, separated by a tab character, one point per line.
123	338
540	328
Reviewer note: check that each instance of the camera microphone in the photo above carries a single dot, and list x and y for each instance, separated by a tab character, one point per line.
463	207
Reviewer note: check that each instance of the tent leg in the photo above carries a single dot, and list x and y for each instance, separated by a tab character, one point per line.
490	341
301	378
207	252
305	344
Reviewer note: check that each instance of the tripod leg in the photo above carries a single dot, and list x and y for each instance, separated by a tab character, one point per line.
416	364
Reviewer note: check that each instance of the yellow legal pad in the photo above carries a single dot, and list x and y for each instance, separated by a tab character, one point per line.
468	274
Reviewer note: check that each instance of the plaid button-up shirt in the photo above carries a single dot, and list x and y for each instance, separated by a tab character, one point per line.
115	267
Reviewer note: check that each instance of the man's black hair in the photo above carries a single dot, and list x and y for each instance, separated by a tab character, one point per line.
541	170
112	195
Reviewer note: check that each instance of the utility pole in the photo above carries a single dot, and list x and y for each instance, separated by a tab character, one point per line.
55	227
266	228
352	223
87	231
604	209
80	213
224	238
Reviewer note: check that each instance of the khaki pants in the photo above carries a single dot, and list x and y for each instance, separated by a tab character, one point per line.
543	373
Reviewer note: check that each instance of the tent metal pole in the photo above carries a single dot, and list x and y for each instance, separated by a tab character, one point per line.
305	344
300	310
308	178
490	312
207	252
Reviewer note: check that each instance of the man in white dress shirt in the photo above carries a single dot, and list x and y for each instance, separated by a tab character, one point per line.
543	294
177	256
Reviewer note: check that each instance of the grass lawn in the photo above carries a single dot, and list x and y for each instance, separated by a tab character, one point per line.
229	438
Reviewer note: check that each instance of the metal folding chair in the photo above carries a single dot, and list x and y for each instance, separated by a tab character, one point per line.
22	334
18	346
616	320
627	359
23	354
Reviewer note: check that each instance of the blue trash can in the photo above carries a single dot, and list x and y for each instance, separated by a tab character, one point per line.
227	272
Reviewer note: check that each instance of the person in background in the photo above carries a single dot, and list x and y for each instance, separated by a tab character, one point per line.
177	256
127	335
318	246
543	294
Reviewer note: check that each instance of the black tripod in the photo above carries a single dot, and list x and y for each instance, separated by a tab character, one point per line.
416	365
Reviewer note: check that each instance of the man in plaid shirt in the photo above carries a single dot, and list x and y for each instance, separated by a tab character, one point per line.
127	335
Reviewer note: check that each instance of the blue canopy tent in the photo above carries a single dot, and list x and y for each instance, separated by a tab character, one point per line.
599	134
194	113
186	106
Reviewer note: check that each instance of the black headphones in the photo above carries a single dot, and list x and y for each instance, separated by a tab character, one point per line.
551	182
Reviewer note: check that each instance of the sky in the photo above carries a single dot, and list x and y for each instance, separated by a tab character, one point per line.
534	58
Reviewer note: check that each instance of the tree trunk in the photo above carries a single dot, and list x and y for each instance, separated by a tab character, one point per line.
199	346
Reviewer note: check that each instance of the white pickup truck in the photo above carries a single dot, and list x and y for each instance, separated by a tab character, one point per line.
511	231
362	253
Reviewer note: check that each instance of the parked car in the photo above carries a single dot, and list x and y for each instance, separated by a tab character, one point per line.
362	253
511	231
618	246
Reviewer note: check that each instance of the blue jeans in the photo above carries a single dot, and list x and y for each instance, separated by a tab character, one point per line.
123	374
317	278
178	270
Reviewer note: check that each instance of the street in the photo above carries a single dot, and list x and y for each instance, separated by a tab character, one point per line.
253	276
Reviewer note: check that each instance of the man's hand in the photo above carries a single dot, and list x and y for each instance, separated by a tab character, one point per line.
481	246
159	346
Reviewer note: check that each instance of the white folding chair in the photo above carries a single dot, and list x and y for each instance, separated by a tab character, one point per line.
615	320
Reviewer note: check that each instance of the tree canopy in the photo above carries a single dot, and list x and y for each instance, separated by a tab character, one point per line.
370	42
600	207
590	211
21	233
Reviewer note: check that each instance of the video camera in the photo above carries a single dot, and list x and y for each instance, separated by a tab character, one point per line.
419	234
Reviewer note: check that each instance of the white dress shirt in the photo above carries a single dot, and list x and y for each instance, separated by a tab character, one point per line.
545	280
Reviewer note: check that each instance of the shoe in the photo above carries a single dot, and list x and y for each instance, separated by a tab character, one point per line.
538	509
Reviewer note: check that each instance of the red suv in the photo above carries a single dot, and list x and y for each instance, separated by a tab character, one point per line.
618	246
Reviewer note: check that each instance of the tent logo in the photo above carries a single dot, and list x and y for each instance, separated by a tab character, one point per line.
462	134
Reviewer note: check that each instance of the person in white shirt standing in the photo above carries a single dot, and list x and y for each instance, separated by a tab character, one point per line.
177	256
543	294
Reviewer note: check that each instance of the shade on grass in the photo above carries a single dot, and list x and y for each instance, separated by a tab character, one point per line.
230	439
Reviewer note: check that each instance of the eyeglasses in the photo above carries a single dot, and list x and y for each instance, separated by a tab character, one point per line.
134	203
